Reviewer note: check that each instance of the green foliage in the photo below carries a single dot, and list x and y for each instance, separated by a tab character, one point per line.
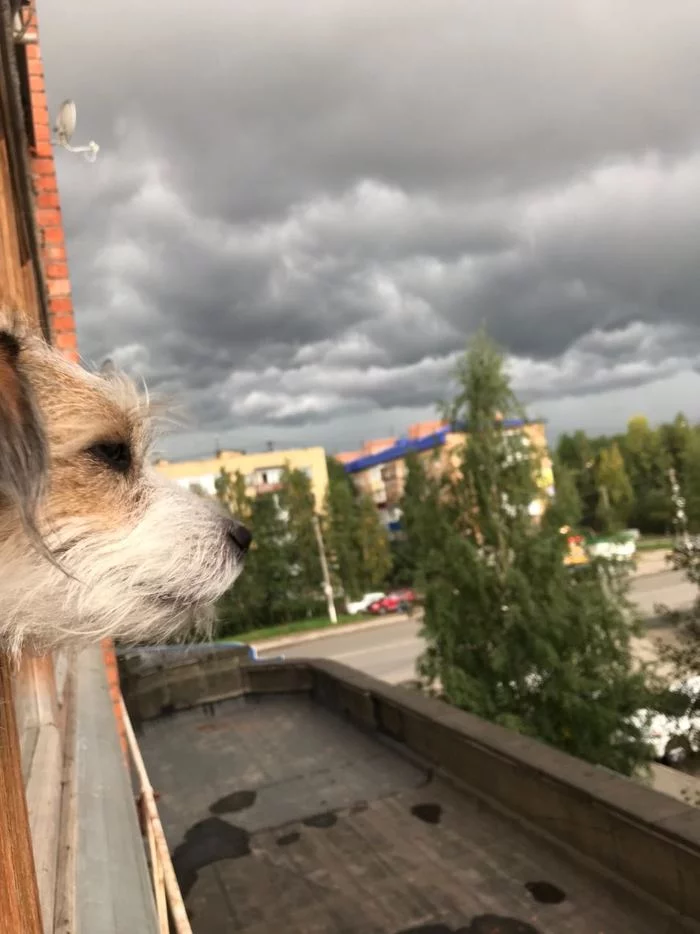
340	531
616	497
296	501
566	508
683	654
647	465
372	545
512	635
281	581
638	491
357	543
418	535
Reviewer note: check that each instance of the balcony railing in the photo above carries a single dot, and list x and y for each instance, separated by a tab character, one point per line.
166	890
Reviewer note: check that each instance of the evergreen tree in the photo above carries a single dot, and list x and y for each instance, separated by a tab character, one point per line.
511	634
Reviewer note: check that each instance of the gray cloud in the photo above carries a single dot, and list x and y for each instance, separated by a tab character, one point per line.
297	220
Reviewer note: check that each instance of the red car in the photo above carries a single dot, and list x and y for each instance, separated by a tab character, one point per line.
400	601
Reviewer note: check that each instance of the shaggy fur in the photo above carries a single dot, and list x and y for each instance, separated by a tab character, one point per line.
94	543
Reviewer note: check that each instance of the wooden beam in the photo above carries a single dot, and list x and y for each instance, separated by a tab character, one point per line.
19	896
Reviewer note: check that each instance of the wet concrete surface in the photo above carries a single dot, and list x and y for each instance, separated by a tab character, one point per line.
286	818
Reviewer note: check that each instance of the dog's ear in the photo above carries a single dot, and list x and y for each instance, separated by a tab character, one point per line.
24	455
108	370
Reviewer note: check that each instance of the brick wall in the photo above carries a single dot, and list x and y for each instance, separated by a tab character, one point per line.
48	208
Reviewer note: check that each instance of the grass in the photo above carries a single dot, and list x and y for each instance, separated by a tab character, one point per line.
294	628
655	543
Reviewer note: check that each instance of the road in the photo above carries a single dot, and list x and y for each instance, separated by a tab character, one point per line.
390	651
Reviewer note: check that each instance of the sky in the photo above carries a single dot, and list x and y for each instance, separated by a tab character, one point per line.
301	212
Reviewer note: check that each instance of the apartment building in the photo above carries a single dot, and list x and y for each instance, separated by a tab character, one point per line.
262	470
379	468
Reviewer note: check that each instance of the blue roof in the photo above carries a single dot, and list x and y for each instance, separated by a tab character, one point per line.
406	446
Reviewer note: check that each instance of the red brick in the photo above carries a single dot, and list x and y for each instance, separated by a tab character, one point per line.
35	67
46	182
43	167
66	340
39	99
48	199
42	149
36	83
42	133
60	323
49	217
61	305
53	235
54	254
57	270
58	287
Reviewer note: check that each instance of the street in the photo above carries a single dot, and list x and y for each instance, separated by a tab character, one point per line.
389	652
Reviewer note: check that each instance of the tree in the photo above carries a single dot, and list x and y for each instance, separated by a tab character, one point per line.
690	479
297	505
340	531
683	653
373	545
261	595
647	466
565	508
511	634
615	490
577	454
231	492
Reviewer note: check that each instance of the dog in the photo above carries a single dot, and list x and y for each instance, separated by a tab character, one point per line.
93	542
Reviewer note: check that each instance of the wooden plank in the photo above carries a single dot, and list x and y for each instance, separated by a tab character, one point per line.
19	895
65	904
113	893
43	787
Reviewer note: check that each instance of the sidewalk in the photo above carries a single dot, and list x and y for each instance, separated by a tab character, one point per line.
652	562
269	645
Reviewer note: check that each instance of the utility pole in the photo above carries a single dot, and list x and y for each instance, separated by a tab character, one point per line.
327	586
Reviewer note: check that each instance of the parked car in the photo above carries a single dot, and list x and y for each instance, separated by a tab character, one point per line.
399	601
362	605
674	730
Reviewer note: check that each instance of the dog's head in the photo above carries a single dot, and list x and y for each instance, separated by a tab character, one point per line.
93	542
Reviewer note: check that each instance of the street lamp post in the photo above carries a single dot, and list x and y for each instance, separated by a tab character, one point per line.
327	586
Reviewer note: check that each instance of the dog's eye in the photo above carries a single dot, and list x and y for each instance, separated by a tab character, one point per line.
116	455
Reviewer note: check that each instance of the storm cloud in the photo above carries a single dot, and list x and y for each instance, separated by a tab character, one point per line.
299	215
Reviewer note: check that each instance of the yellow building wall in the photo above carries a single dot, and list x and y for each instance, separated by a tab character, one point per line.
252	466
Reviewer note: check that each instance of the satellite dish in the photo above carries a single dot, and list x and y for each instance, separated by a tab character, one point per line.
65	121
64	128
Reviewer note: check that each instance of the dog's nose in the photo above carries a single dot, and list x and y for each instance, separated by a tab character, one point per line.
240	536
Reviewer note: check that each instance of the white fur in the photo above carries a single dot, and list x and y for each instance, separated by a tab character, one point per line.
149	581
